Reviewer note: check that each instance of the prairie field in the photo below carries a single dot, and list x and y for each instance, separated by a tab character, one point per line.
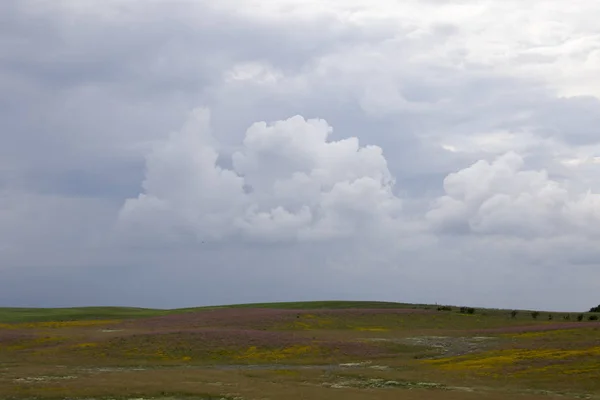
315	350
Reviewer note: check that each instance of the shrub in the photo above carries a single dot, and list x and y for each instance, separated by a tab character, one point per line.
549	317
535	314
567	317
593	318
595	309
444	308
580	317
467	310
513	313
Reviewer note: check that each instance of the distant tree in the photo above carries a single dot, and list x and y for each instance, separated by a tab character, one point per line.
595	309
535	314
593	318
514	313
550	317
580	317
567	317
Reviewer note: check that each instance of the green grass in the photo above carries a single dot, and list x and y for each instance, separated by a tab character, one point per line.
332	304
15	315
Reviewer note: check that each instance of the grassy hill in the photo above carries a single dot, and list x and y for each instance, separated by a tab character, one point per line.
16	314
330	304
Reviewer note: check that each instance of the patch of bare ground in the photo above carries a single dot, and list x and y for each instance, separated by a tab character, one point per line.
445	346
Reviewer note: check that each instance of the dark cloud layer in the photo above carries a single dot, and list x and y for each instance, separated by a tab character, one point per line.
182	153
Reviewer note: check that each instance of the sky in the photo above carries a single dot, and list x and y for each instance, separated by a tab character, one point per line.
183	153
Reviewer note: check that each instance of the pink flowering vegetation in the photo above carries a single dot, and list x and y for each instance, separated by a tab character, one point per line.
15	341
217	335
253	335
543	327
10	338
223	318
231	346
262	318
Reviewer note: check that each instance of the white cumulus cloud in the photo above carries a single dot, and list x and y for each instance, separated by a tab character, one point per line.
504	198
287	182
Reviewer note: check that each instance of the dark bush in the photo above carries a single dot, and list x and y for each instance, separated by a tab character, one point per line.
593	318
467	310
550	317
444	308
535	314
580	317
514	313
595	309
567	317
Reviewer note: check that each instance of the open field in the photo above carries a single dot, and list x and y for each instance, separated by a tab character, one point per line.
318	350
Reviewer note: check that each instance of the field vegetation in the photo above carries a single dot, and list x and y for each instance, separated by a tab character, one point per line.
314	350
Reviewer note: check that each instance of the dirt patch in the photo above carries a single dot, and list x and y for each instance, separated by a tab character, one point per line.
241	367
375	383
99	370
447	345
43	379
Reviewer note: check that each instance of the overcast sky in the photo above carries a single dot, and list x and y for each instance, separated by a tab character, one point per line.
178	153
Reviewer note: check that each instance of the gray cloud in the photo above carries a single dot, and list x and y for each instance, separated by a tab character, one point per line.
423	151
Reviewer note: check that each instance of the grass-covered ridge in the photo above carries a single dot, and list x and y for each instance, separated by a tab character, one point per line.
16	314
330	304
